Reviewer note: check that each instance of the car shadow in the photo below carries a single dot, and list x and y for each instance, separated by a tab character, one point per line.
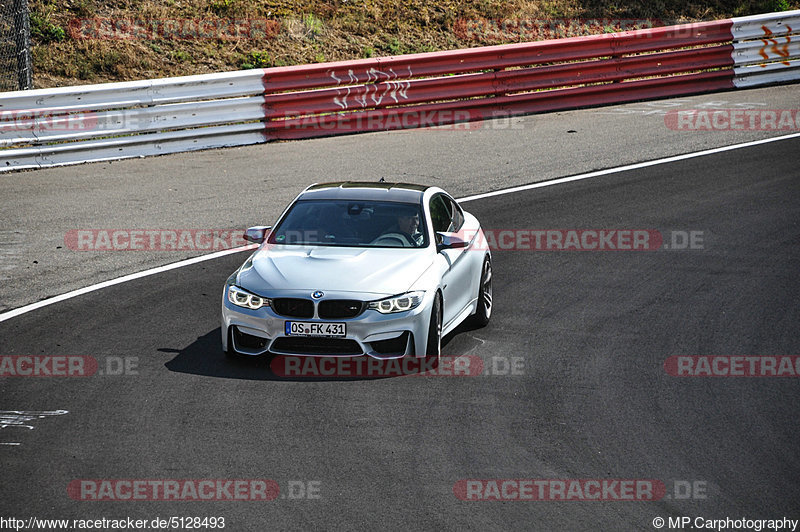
204	357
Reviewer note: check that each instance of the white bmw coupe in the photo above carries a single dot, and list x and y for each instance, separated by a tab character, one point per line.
356	268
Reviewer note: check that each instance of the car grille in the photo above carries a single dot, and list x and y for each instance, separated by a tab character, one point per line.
293	308
316	346
340	308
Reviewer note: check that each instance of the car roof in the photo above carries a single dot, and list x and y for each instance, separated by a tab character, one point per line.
366	190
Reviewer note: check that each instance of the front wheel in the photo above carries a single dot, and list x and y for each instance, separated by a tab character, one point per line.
484	310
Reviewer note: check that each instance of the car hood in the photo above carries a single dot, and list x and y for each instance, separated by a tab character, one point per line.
380	271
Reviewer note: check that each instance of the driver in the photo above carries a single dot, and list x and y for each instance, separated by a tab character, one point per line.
407	225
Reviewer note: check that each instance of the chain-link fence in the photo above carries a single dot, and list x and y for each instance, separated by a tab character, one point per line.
15	45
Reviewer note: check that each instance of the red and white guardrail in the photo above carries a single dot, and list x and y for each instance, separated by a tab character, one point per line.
67	125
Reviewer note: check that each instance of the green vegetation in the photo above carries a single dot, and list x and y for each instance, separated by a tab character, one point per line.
256	60
91	41
393	46
222	7
313	26
42	27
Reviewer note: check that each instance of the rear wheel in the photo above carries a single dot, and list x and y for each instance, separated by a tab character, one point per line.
433	348
484	310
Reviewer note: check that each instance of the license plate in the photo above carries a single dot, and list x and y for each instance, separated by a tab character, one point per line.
308	328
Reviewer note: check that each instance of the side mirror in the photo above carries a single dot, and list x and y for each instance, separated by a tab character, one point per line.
257	234
449	241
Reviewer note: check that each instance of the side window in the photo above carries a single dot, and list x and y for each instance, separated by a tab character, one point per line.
457	217
440	214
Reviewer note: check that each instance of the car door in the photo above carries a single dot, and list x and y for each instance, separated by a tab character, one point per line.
447	216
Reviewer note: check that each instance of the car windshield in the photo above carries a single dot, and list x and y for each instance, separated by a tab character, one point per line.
353	224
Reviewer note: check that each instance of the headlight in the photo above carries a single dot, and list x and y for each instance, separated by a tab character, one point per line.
240	298
400	303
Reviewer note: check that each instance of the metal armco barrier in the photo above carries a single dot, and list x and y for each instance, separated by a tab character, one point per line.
68	125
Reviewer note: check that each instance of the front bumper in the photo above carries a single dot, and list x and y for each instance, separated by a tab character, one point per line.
383	336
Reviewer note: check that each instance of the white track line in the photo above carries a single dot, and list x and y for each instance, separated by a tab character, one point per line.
153	271
625	168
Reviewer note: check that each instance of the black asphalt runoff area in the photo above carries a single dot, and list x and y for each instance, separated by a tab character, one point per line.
588	334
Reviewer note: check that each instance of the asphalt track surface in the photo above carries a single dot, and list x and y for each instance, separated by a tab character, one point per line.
592	400
239	187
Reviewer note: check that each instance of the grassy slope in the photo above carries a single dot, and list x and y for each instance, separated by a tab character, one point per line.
308	31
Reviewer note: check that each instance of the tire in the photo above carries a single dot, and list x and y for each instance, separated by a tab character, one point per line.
484	311
433	348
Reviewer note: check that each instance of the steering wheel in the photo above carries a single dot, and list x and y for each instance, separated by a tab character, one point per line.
392	239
